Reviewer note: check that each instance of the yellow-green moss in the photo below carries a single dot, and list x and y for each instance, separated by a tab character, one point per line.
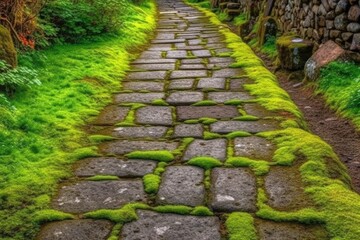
205	103
159	102
210	135
201	211
247	118
102	178
236	134
178	209
100	138
50	215
259	167
240	226
161	156
151	183
205	162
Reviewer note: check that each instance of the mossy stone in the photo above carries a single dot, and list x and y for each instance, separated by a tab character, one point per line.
7	48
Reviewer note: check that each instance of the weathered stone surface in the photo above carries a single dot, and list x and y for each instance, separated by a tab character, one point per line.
354	13
254	148
123	146
188	130
140	132
210	148
76	230
228	72
188	73
340	22
154	66
285	189
353	27
152	225
178	54
201	53
269	230
233	190
150	75
151	54
355	45
181	84
221	97
138	97
194	112
213	83
92	195
182	185
257	110
160	47
185	97
111	115
248	126
148	86
238	84
192	61
151	61
155	115
192	67
114	166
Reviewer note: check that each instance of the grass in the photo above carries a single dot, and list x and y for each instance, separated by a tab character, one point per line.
43	136
340	84
205	162
161	155
240	226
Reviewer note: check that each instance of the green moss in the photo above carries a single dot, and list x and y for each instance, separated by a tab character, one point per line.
240	19
201	211
126	214
151	183
178	209
209	135
161	156
208	121
247	118
205	103
240	226
159	102
259	167
160	168
236	134
85	152
129	120
205	162
207	179
50	215
102	178
184	144
100	138
115	232
225	54
235	102
192	121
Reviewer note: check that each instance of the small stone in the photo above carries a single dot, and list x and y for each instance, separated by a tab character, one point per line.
354	13
154	115
192	61
247	126
178	54
188	130
182	185
185	97
111	115
206	148
192	66
342	6
233	190
115	167
152	225
93	195
201	53
353	27
138	97
150	75
181	84
188	74
254	147
221	97
228	72
76	230
139	132
221	60
213	83
341	22
195	112
148	86
124	146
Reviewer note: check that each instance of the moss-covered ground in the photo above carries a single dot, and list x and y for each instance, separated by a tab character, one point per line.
44	135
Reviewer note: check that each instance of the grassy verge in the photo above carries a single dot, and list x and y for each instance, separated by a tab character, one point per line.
340	84
43	136
324	176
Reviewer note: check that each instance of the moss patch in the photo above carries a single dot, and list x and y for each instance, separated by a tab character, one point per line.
151	183
201	211
178	209
102	178
259	167
205	162
100	138
240	226
50	215
205	103
161	156
236	134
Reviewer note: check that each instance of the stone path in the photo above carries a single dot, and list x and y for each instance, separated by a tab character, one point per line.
179	97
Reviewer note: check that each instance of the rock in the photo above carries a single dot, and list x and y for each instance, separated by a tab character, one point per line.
215	148
346	36
325	4
342	6
329	24
353	27
327	53
355	45
354	13
334	33
7	48
332	3
194	112
341	22
330	15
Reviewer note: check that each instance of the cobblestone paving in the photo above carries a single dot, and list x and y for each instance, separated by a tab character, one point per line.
178	89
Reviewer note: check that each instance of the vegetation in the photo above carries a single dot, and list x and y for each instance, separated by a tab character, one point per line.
161	156
205	162
240	226
40	133
151	183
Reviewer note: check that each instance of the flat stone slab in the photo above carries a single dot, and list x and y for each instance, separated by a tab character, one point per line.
150	61
152	225
76	230
206	148
148	86
192	66
181	84
185	97
92	195
192	61
269	230
111	115
201	53
182	185
285	188
149	75
238	84
140	132
188	130
247	126
188	74
178	54
221	97
233	189
155	115
257	110
194	112
211	83
154	66
151	54
138	97
124	146
254	147
221	60
114	166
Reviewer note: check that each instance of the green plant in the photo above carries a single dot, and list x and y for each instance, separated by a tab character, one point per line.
161	156
151	183
205	162
241	226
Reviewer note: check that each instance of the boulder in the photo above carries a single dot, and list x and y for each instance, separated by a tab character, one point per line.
327	53
7	48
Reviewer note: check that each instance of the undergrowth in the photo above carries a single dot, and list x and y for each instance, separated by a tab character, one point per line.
42	137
